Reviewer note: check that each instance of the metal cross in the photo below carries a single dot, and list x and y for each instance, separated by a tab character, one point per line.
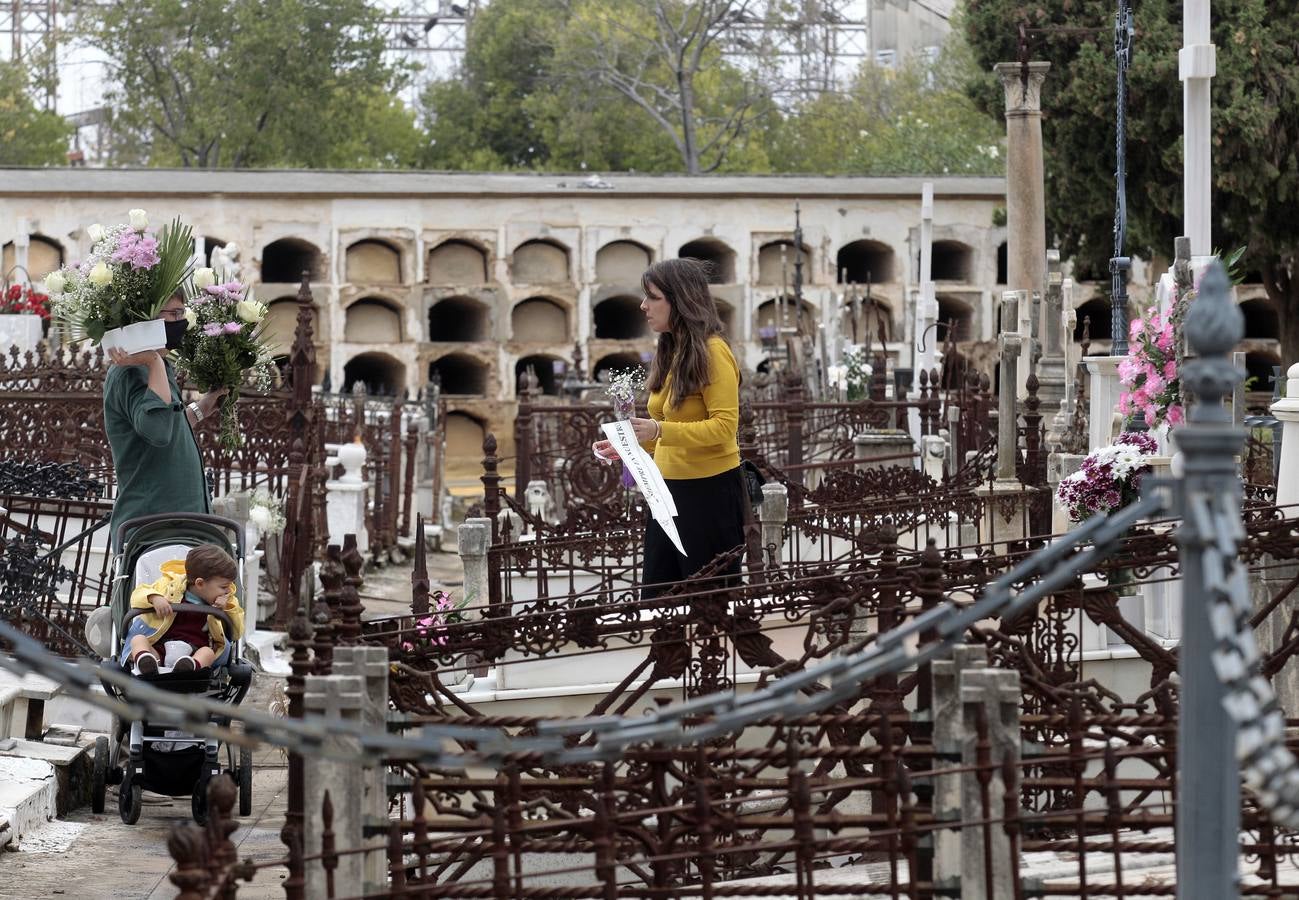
1120	264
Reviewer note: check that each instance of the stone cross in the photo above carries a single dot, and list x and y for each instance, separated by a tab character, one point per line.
1012	343
1196	65
926	303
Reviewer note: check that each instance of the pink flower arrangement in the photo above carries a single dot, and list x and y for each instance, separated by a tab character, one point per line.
139	250
431	630
1110	478
1149	374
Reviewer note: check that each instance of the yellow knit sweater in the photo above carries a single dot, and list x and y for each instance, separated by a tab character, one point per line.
172	585
698	437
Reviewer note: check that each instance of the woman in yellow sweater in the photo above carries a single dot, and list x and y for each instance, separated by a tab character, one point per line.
694	407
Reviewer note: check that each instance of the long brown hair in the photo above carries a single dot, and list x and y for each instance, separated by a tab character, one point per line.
683	349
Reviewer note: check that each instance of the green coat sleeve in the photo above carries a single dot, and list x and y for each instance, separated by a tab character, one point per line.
151	418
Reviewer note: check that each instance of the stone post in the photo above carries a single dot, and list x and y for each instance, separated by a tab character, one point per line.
370	666
473	540
934	456
345	497
1103	415
1053	368
1004	499
335	697
1287	412
1025	187
773	513
1208	775
1196	66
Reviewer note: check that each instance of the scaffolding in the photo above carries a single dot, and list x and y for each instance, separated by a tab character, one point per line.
27	34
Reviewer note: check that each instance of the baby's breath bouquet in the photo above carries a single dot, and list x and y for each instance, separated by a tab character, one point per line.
623	388
266	511
225	339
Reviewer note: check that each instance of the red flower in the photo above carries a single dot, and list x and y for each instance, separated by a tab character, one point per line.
21	300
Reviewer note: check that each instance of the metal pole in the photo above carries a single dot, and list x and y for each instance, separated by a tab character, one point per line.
1208	776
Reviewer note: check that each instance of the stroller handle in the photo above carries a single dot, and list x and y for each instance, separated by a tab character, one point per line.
220	521
185	608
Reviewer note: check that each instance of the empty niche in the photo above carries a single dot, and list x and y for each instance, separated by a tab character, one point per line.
618	362
1261	366
457	262
776	262
539	262
769	312
1100	327
864	261
952	261
284	261
381	374
372	321
957	317
460	374
539	320
464	439
458	319
621	261
719	257
1003	263
44	255
619	319
373	262
281	325
1261	320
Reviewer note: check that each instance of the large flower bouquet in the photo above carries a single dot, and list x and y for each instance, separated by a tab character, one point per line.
24	300
623	388
1149	373
125	280
224	341
1110	478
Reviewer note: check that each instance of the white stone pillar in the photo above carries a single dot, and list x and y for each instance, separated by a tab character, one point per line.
1287	411
1197	64
927	303
22	241
773	513
1104	389
473	538
345	498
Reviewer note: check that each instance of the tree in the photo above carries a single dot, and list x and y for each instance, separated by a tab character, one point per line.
29	135
1255	125
236	83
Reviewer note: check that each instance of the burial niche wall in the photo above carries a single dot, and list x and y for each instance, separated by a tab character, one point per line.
864	261
1101	327
958	317
716	253
952	261
459	319
543	366
464	437
1261	320
776	262
44	255
281	324
539	320
622	262
460	374
372	261
284	261
619	319
457	262
372	320
539	262
381	374
617	362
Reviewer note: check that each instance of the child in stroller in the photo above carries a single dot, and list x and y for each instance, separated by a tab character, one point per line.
149	581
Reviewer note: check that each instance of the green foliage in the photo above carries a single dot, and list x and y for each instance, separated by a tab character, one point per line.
236	83
29	135
175	265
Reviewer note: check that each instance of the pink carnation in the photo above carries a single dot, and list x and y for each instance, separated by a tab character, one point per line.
213	329
233	327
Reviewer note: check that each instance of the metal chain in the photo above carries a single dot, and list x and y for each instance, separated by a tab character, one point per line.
1051	569
1267	765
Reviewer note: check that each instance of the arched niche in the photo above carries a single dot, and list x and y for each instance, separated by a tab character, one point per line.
1100	327
372	320
284	261
769	312
543	366
874	320
464	438
44	255
539	320
459	319
618	362
281	324
1261	320
457	262
776	262
372	261
539	262
460	374
1260	366
619	319
716	253
952	261
864	261
1003	263
621	262
382	375
958	318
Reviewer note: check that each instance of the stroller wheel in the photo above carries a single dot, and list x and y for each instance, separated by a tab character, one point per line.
130	800
99	776
245	781
198	802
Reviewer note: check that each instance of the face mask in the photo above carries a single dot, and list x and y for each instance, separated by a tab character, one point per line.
175	333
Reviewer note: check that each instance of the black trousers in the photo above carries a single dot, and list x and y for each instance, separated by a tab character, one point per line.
710	520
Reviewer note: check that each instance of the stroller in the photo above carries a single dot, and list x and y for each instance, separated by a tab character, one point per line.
140	756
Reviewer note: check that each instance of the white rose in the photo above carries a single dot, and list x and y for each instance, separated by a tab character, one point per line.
96	233
204	277
261	517
138	219
54	283
191	317
100	275
250	310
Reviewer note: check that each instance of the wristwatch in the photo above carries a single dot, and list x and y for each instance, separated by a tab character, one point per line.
198	413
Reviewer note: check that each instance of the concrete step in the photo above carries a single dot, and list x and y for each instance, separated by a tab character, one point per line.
71	763
28	797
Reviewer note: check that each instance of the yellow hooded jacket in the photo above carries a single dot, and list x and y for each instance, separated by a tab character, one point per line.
172	586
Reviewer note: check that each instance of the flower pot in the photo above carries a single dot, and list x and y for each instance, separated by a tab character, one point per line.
21	330
136	337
